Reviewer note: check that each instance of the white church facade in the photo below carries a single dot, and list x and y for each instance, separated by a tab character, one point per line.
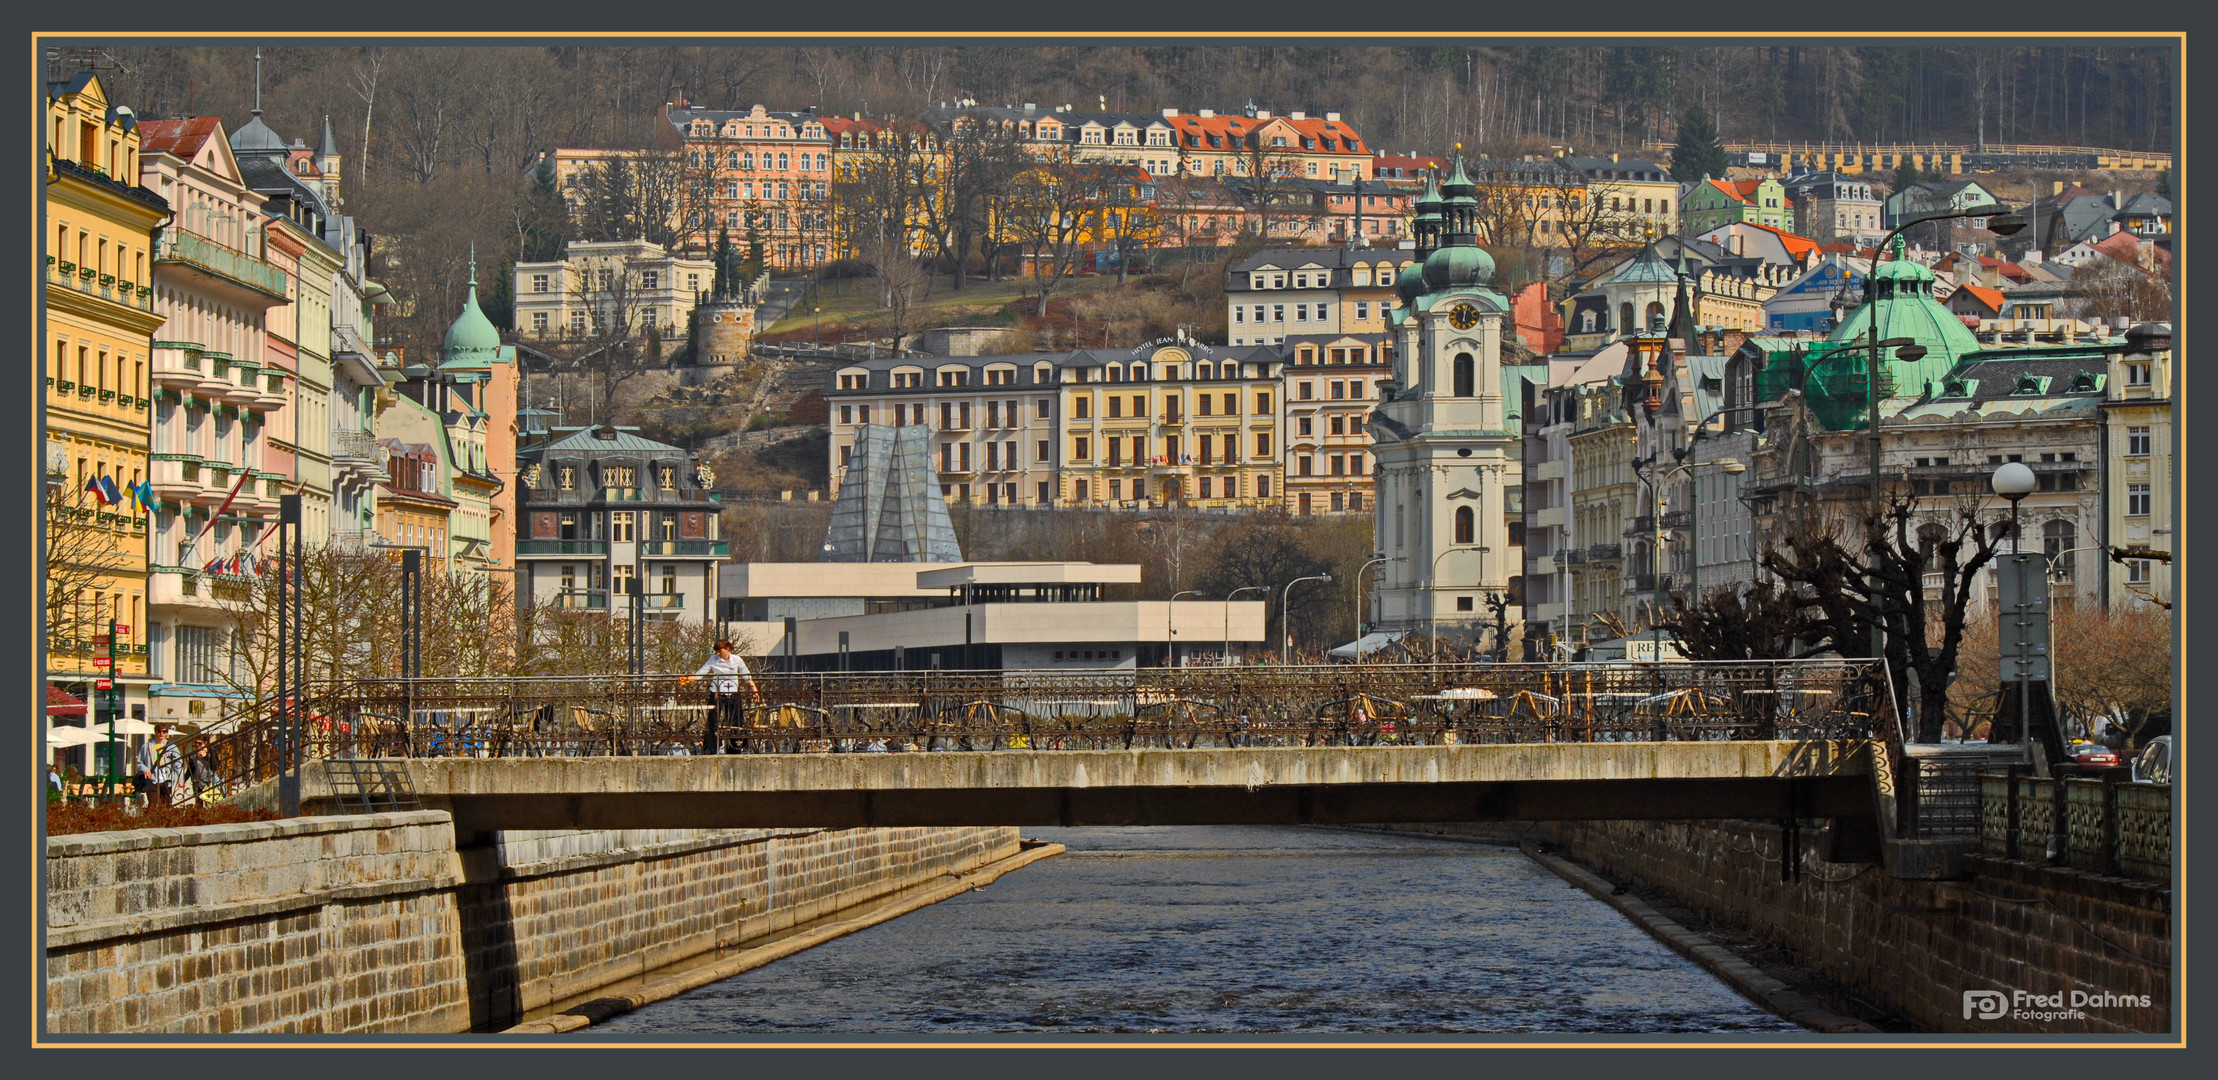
1447	451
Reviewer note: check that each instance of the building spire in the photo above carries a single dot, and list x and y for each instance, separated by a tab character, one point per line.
257	80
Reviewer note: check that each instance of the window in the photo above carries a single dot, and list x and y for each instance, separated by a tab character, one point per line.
1116	407
1466	525
1262	487
2058	539
1044	449
539	322
1302	465
1043	494
1339	465
569	577
1082	407
1262	404
1339	390
1301	425
1465	376
2137	442
620	526
1302	390
1263	444
1239	313
2137	571
1336	425
2137	500
669	578
620	581
577	321
1079	451
1278	313
650	279
539	283
2137	374
1463	603
1202	404
847	414
1205	487
1362	309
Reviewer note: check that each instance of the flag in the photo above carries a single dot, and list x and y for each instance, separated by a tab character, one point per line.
92	484
244	476
109	493
144	493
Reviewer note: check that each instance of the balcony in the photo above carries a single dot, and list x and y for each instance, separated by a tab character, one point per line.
91	282
1640	583
176	476
272	394
180	248
1573	557
561	547
1606	551
179	366
579	599
717	548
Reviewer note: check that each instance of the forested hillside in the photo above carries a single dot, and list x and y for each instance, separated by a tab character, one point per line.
436	138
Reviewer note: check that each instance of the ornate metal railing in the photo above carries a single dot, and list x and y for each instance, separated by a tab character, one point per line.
2106	824
1181	708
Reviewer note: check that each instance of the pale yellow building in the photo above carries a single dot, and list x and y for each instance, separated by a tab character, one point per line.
100	321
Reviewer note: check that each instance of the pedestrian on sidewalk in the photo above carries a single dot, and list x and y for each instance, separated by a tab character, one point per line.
160	766
725	670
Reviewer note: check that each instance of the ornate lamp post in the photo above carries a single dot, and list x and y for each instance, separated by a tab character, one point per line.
2013	481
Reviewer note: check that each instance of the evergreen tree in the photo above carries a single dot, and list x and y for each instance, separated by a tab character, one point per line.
723	285
1698	152
2164	185
1907	175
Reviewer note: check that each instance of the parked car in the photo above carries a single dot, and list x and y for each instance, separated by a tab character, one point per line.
2153	765
2094	755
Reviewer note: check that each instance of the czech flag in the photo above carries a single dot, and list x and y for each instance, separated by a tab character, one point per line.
98	490
109	492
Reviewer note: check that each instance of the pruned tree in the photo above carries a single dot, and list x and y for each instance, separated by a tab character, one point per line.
1271	555
2106	288
1909	572
1760	622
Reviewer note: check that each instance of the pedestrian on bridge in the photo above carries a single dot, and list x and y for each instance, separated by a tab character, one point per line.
725	670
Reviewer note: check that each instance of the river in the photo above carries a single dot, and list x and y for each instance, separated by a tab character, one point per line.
1235	929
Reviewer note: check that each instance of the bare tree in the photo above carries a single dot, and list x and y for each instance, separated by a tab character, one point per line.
86	546
1047	217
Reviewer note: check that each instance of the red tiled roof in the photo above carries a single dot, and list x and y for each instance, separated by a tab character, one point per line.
1990	298
1797	246
183	138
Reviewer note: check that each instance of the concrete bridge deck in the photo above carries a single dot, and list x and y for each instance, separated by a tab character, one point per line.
1320	785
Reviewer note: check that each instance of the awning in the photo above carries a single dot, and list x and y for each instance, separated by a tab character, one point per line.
77	736
1365	645
60	702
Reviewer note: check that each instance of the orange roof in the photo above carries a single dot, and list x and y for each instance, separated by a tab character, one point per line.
183	138
1797	246
1739	190
1234	129
1991	298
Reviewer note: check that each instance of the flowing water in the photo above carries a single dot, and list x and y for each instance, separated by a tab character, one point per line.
1235	929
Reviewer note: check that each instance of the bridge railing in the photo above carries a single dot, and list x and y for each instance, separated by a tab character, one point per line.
1199	707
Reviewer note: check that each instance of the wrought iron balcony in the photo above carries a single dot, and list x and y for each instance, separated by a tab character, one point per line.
1606	551
561	547
199	252
718	548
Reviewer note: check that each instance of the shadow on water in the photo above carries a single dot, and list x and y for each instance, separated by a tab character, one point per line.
1236	929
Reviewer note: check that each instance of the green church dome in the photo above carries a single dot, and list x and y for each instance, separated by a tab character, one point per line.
472	337
1450	267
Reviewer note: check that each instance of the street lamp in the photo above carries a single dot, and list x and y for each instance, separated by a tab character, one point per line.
1655	482
1228	614
1360	626
2014	481
1286	617
1432	600
2002	221
1170	631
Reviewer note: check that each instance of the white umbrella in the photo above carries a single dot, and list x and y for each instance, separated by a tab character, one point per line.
77	736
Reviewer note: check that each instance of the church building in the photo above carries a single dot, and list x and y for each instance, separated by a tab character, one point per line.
1449	470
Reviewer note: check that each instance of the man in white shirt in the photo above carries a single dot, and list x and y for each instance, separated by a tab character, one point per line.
725	670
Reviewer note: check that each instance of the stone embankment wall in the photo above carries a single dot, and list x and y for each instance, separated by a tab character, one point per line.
1912	947
376	923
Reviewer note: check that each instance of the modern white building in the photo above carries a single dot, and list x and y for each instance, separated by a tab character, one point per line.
1005	615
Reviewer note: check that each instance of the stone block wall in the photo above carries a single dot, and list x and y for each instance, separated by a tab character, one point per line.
1912	947
583	910
376	923
339	924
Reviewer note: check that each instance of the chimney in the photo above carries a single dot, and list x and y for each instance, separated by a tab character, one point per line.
2116	203
1297	116
2056	187
1170	114
1262	114
1613	157
1029	106
1332	118
1205	114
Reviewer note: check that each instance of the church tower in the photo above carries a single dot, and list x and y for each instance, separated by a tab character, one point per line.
1448	464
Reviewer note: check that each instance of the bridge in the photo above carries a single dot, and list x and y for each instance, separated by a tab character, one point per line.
1318	744
1769	779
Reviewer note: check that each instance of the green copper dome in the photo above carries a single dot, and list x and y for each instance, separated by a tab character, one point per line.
1451	267
472	337
1411	282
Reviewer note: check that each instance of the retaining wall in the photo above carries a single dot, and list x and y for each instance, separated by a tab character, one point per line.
376	923
1913	947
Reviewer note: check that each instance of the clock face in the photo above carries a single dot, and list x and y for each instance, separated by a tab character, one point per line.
1463	316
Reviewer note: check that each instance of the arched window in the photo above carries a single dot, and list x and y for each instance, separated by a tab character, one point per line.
2058	538
1655	311
1625	323
1466	525
1466	376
